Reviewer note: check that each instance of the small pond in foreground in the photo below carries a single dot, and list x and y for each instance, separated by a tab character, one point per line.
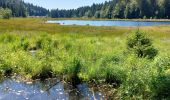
53	89
109	22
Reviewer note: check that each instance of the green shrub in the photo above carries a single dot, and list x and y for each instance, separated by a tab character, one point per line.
141	45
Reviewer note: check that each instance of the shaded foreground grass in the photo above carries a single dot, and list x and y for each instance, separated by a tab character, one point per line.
36	50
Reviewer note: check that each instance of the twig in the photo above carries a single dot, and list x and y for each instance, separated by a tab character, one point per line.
52	86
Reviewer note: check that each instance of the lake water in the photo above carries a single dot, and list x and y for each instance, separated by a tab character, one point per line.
109	22
52	89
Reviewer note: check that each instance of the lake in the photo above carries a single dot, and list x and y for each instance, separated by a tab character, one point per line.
51	89
109	22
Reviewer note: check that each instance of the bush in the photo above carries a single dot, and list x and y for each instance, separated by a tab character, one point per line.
141	45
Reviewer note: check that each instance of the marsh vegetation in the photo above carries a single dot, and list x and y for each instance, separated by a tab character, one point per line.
134	62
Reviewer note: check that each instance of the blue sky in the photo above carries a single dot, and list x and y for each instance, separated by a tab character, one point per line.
64	4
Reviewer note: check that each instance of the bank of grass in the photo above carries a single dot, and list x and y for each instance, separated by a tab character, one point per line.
98	55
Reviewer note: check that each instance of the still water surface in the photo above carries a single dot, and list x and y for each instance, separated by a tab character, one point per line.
109	22
53	89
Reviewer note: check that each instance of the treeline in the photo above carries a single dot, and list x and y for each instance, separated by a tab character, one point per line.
119	9
22	9
112	9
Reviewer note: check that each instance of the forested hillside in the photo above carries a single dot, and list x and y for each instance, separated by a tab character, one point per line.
22	9
120	9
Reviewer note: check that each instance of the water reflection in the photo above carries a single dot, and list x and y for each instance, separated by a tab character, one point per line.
11	89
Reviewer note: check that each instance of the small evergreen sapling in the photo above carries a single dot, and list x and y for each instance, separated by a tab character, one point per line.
141	45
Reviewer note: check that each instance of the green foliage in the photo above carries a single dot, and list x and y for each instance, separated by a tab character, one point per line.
160	87
74	69
111	9
141	45
88	14
119	9
5	68
45	71
5	13
113	73
97	14
89	54
24	43
19	8
137	85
